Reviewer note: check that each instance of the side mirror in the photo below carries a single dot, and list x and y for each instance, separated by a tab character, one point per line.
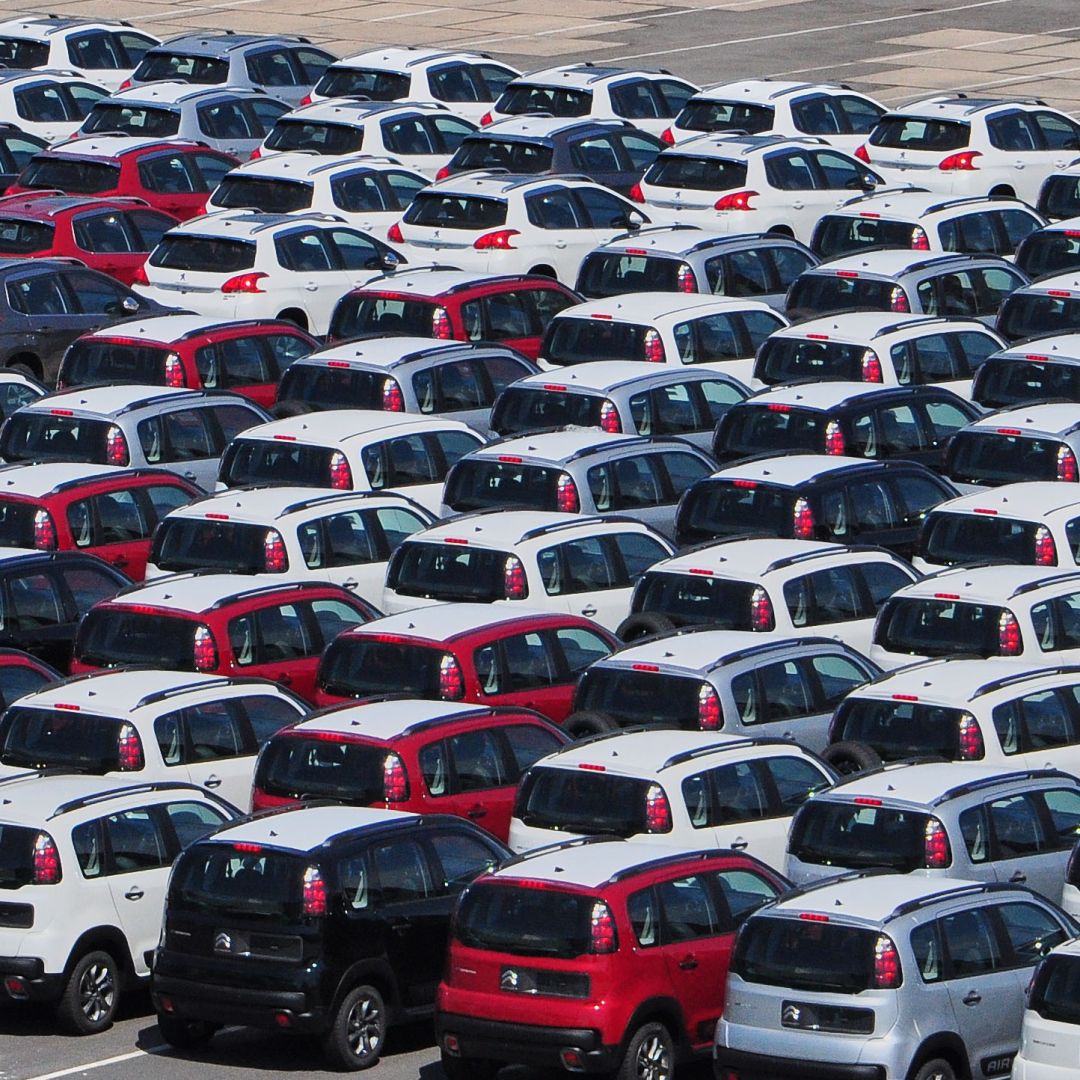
129	305
868	181
390	260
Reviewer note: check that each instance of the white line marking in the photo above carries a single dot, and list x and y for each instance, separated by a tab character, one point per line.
100	1064
405	15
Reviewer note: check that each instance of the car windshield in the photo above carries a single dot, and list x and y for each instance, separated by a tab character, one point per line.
513	155
726	116
932	627
757	429
729	507
672	170
1001	457
1024	315
838	234
479	483
244	881
110	636
450	571
264	193
158	66
315	136
99	360
17	522
369	666
437	210
579	341
1021	379
44	436
1055	993
203	254
375	85
960	538
856	837
125	119
786	359
524	921
805	954
696	598
523	97
20	237
614	273
304	767
324	387
76	176
1055	251
640	697
23	53
920	133
822	294
43	738
582	802
248	462
519	409
16	855
358	314
183	543
1060	196
898	729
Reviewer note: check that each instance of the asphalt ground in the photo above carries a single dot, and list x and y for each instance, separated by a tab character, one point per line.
1027	48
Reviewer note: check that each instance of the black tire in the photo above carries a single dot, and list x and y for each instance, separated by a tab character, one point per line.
24	367
1003	191
581	725
295	316
644	624
543	271
355	1039
458	1068
281	410
185	1034
938	1069
650	1055
849	757
91	994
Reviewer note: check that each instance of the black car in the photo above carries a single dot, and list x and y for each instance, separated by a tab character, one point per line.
614	152
43	597
16	149
45	304
324	920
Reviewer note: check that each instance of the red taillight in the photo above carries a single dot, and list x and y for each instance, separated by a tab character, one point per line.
392	398
206	654
514	579
736	200
394	234
496	241
657	810
46	860
898	300
971	740
244	283
1045	548
834	438
440	325
1066	465
708	708
919	241
761	612
863	155
443	173
340	473
125	85
870	369
139	277
685	279
395	779
256	153
315	898
305	100
566	496
936	853
116	447
44	531
667	136
602	937
961	162
803	520
486	119
174	371
654	348
129	755
1009	643
886	964
274	558
636	193
609	418
451	681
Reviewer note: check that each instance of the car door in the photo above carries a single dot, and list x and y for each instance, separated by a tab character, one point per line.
583	577
113	526
1021	846
604	215
211	739
181	440
457	389
598	157
670	410
523	670
171	184
275	642
467	774
507	316
35	617
632	484
47	314
730	805
778	699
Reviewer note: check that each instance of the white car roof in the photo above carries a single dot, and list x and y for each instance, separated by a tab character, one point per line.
256	506
1035	499
422	282
192	593
700	650
959	108
1068	282
820	395
603	376
993	584
554	445
788	470
497	185
1057	418
588	865
34	481
650	306
581	76
729	146
305	164
886	261
384	720
750	559
342	425
306	828
381	352
673	239
403	57
17	76
348	111
529	126
441	622
1066	345
163	329
29	798
175	93
506	528
42	27
108	146
106	400
860	327
248	224
915	204
765	90
918	782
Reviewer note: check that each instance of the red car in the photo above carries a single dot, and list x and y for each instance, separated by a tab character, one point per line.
176	177
188	351
466	652
607	956
220	624
111	235
104	511
454	305
423	756
21	673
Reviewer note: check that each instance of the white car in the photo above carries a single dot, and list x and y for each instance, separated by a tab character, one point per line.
752	183
650	100
677	789
104	51
973	146
467	83
367	193
235	265
499	224
557	562
1048	306
1030	372
836	114
342	538
420	135
1050	1035
49	104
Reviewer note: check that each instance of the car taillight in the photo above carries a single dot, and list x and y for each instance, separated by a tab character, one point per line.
139	277
667	136
803	520
305	100
898	300
636	193
116	447
125	85
486	119
886	964
609	418
496	241
340	473
315	899
654	348
657	810
394	233
761	612
1066	465
451	681
256	154
834	438
395	779
514	579
736	200
1045	548
961	162
443	173
685	279
708	708
392	398
870	366
244	283
440	325
602	934
566	496
275	560
936	852
919	241
129	755
1008	634
206	654
44	531
863	154
970	738
46	860
174	371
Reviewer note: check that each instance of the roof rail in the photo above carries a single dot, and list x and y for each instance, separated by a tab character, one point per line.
973	889
999	778
1042	583
836	879
711	748
791	560
213	682
126	789
581	841
702	855
1024	676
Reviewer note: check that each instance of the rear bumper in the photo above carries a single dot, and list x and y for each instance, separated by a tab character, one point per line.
36	985
750	1066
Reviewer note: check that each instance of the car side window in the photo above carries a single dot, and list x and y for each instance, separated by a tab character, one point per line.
267	715
1038	721
461	858
401	872
408	462
775	692
688	909
644	915
232	362
595	155
970	943
34	602
87	584
1057	622
94	293
119	518
635	100
337	540
580	648
409	135
790	171
354	250
626	483
454	82
796	779
827	596
1031	930
992	285
397	524
1063	807
880	580
577	566
725	796
1012	131
215	730
917	495
304	251
638	148
527	663
186	436
1058	132
743	892
971	233
106	233
165	498
554	208
1016	827
638	553
227	120
603	209
667	410
528	744
507	315
460	386
167	174
271	67
135	841
89	847
709	339
208	170
945	419
926	948
477	761
836	675
817	115
191	821
451	447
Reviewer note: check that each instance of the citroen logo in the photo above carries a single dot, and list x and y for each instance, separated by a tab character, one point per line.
223	943
508	980
791	1014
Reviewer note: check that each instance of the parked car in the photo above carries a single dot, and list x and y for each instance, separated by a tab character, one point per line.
1048	1035
1028	373
48	103
1048	306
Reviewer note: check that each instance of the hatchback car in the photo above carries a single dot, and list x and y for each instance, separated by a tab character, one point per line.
1048	1038
21	674
16	149
1053	249
1028	373
1045	307
1059	196
49	104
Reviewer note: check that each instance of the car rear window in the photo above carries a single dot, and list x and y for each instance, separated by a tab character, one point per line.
98	360
204	254
640	697
524	921
1024	315
728	507
1049	252
580	341
755	429
16	856
958	538
267	194
247	462
43	436
1004	381
195	543
513	155
327	387
919	133
899	729
358	314
990	457
445	211
246	880
577	801
614	273
480	483
849	836
727	116
519	409
17	523
785	359
367	666
76	176
552	100
109	636
1060	197
448	572
56	738
313	135
696	599
23	237
697	173
838	234
131	119
822	294
1055	993
363	83
931	627
307	766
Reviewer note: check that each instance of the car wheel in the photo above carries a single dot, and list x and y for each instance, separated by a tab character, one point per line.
850	757
459	1068
24	368
91	994
1003	191
644	624
185	1034
355	1039
650	1055
936	1070
581	725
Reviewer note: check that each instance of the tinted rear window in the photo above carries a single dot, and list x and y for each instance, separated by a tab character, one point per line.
204	70
756	429
93	360
448	572
217	878
111	636
938	627
363	313
445	211
1060	197
576	801
827	833
41	436
75	176
367	667
839	234
193	544
358	82
919	133
696	599
726	508
580	341
1053	252
990	457
315	136
297	766
260	461
262	193
956	538
823	294
481	483
17	523
726	116
899	729
1017	381
205	254
525	98
612	274
332	388
525	922
1024	315
520	409
125	119
513	155
23	237
640	697
1055	994
16	856
55	738
699	174
784	359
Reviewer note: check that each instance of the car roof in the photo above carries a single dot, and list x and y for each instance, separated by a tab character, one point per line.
788	470
957	107
993	583
730	146
603	376
256	506
1057	417
43	207
580	75
176	93
348	111
1035	499
161	329
306	828
505	528
249	224
531	126
44	26
907	203
115	146
1067	346
891	262
341	425
919	782
29	75
1068	282
33	798
195	593
304	164
385	720
35	481
403	57
648	306
483	184
764	90
862	326
215	43
388	351
700	650
444	622
428	282
750	558
828	395
559	445
108	400
680	240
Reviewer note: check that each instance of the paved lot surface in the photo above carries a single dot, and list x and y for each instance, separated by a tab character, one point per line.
896	53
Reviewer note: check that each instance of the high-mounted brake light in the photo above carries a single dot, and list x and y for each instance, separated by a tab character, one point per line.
395	779
129	754
451	680
315	895
275	560
708	708
657	810
46	860
206	654
44	531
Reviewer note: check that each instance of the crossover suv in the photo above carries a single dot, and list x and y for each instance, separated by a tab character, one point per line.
16	149
76	848
49	104
1059	196
682	789
1048	1037
423	756
335	917
1030	372
16	390
1053	249
626	947
1050	305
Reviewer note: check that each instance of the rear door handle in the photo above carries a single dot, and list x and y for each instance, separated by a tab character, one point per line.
134	893
350	583
120	562
284	678
739	845
972	997
212	781
590	611
477	812
1018	878
688	962
312	286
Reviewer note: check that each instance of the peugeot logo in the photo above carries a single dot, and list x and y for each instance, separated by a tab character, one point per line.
223	943
508	980
791	1014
